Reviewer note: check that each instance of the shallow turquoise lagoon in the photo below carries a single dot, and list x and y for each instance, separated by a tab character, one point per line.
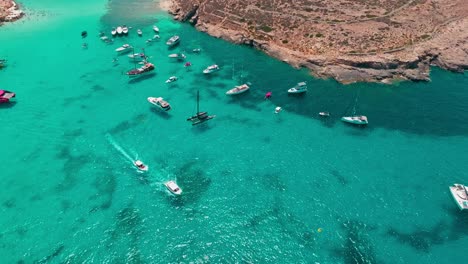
258	187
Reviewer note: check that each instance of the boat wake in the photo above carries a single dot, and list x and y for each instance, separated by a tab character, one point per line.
119	148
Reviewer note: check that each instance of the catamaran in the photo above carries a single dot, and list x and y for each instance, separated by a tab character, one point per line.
355	120
124	49
210	69
238	89
174	40
460	195
299	88
200	117
173	187
5	96
160	103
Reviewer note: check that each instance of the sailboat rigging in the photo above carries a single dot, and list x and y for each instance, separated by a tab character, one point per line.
200	117
146	68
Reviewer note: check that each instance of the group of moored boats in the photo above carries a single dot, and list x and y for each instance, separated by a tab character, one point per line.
119	31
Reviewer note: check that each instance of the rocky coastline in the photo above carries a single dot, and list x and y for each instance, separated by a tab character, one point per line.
368	41
9	11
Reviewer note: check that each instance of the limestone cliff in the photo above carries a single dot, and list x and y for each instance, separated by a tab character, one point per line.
349	40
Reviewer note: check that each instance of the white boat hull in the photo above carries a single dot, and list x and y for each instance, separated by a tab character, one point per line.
460	196
173	187
296	91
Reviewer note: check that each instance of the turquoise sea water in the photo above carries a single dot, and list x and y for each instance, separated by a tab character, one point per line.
258	187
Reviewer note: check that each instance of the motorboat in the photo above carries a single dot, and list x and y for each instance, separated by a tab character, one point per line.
174	40
137	56
156	36
356	120
5	96
211	69
173	187
238	89
140	165
299	88
119	30
178	56
140	33
104	38
114	32
125	30
199	117
460	195
325	114
196	50
278	109
188	64
146	68
171	79
124	49
156	29
160	103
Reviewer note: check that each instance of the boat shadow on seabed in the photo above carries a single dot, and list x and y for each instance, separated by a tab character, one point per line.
141	78
8	104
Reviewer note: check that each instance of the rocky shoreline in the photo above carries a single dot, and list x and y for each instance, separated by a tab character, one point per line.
9	11
380	43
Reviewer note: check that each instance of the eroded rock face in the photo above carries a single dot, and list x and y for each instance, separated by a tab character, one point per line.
9	11
349	40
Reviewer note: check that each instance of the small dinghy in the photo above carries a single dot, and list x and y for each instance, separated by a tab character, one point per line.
173	187
171	79
140	33
156	29
299	88
140	165
355	120
196	50
325	114
278	109
160	103
211	69
238	89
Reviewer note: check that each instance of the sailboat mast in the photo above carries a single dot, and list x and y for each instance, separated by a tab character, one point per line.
134	59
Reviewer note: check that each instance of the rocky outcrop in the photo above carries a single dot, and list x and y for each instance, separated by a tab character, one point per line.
372	40
9	11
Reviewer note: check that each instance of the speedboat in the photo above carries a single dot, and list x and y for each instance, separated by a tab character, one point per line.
124	49
238	89
5	96
171	79
156	29
299	88
139	32
137	56
173	187
125	30
148	67
179	56
174	40
119	30
160	103
113	32
278	109
210	69
356	120
140	165
324	114
460	194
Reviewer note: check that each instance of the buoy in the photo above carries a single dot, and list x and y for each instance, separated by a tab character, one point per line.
277	110
319	230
